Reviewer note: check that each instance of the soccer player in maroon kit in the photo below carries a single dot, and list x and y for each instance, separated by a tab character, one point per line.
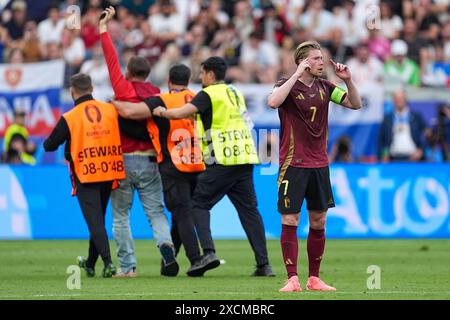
302	102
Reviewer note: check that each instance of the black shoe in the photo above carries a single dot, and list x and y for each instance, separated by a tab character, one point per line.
109	271
169	265
90	272
264	271
207	262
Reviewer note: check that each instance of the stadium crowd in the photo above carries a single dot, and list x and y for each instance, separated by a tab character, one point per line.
411	39
384	42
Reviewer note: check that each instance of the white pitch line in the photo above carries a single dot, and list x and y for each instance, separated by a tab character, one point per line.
216	293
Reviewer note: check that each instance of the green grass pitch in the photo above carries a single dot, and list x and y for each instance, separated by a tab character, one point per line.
410	269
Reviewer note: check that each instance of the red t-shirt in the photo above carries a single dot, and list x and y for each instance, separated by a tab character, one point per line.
125	90
304	123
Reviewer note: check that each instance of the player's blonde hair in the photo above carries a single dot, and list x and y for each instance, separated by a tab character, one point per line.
301	52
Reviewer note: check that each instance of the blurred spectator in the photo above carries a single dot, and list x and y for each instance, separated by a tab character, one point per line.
160	71
338	50
54	51
17	139
401	132
215	11
400	70
352	25
89	31
287	63
131	31
391	25
300	35
209	23
437	147
366	69
151	48
97	69
19	144
414	42
432	34
378	45
291	10
195	60
166	23
16	56
435	69
194	39
424	14
51	29
187	9
273	25
74	53
318	20
243	19
259	60
341	151
16	25
30	45
227	45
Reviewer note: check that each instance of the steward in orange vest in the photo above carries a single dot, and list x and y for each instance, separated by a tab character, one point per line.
179	155
91	133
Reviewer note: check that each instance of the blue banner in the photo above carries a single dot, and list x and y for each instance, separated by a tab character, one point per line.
372	201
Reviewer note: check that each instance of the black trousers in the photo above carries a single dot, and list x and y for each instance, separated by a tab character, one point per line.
93	199
178	189
237	183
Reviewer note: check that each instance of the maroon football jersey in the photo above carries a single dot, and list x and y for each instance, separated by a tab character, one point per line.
304	123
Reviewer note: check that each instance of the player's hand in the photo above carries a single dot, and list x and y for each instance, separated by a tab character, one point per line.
341	70
302	66
158	111
107	15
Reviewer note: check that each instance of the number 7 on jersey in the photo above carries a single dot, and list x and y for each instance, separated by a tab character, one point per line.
314	110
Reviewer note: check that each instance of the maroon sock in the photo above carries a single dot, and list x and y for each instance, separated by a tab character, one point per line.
289	247
315	247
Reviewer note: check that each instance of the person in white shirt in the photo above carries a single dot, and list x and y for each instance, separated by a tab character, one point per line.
318	21
51	29
352	25
167	23
391	25
366	69
259	60
97	69
401	132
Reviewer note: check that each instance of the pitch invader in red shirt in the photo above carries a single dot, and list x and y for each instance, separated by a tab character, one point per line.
140	160
302	102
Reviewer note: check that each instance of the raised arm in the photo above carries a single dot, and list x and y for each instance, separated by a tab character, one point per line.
352	100
279	94
130	110
120	85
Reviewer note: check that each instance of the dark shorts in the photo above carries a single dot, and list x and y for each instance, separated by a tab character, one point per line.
312	184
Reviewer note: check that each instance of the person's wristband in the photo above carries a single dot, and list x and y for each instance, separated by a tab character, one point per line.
161	112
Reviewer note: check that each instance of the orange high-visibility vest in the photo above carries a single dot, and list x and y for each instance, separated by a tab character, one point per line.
182	141
95	142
